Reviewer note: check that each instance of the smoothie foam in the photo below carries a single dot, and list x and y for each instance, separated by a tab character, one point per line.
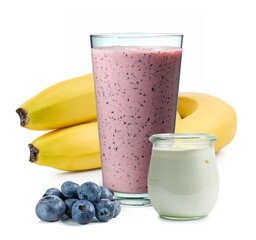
136	91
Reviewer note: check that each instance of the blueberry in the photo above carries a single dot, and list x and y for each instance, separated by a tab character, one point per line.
105	210
69	202
50	208
89	191
117	207
105	193
69	189
54	191
83	211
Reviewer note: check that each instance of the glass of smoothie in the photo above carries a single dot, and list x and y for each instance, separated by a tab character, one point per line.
136	80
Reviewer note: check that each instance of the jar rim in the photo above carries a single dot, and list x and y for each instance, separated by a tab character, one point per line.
134	35
183	137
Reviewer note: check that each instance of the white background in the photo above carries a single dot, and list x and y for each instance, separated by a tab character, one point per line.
44	42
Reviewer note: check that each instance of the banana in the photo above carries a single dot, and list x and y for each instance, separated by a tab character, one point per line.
72	149
64	104
202	113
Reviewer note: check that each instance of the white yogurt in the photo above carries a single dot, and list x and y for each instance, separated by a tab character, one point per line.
183	180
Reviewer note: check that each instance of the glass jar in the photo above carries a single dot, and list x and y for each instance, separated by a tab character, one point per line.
183	180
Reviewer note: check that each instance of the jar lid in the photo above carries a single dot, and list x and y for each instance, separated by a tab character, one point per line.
183	137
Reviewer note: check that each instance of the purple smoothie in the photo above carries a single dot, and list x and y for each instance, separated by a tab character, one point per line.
136	91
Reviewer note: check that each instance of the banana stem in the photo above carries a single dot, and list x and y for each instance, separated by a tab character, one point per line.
33	153
23	114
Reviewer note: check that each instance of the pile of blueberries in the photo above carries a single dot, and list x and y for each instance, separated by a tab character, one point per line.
82	203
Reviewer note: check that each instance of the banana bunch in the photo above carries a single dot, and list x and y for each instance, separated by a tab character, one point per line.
70	108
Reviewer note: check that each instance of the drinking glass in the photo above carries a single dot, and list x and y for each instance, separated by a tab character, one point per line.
136	79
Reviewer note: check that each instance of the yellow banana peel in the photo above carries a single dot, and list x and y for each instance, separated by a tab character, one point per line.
72	149
202	113
61	105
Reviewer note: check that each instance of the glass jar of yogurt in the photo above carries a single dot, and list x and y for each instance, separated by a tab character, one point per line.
183	180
